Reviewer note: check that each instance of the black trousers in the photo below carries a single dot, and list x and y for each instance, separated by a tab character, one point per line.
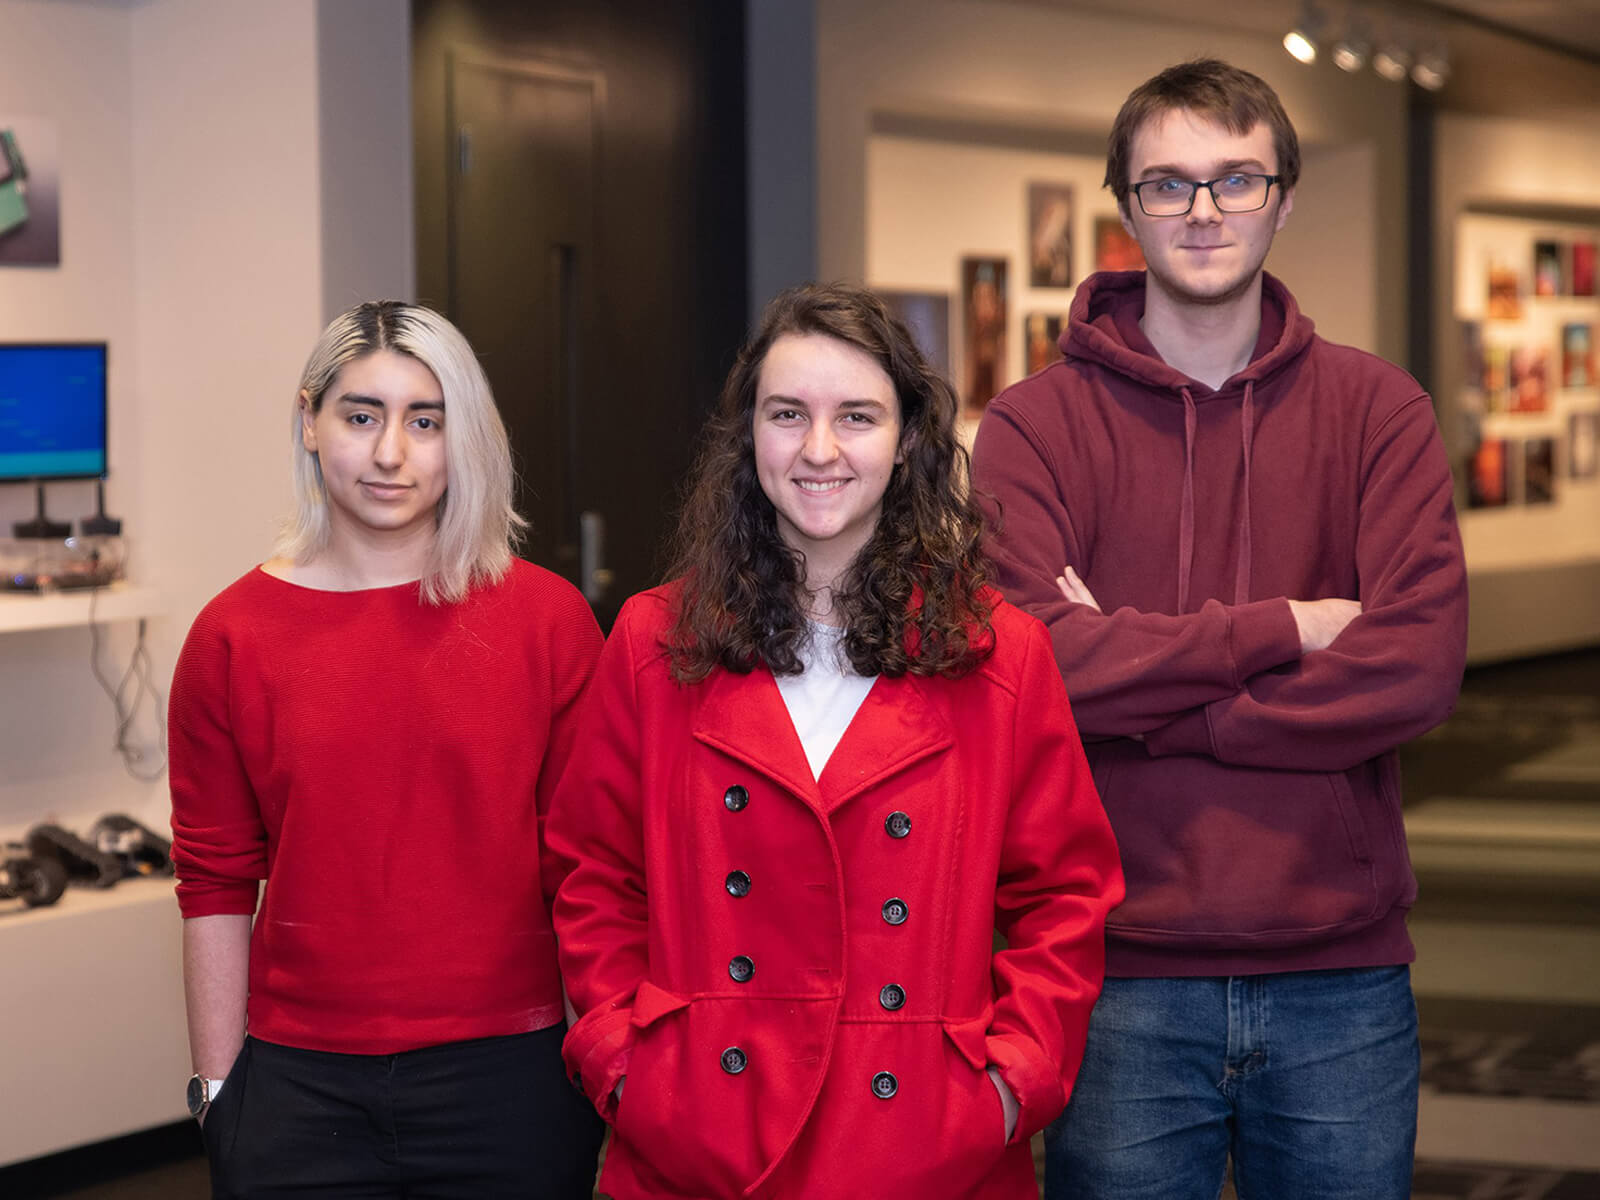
487	1118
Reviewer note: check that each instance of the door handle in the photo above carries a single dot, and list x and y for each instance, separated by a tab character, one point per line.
593	575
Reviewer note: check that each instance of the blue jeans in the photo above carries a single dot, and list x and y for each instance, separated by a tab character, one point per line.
1308	1079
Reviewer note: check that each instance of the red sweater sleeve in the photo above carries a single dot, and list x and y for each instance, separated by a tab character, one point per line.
1059	877
219	844
1396	669
1130	671
574	649
596	834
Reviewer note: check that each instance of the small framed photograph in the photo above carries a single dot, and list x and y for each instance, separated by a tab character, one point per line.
1577	355
1505	293
1583	268
927	316
1547	274
1583	445
1529	379
1114	247
984	312
1488	474
1539	470
1041	338
1050	235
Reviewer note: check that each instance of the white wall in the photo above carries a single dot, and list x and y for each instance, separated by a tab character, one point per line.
1029	66
1535	574
231	173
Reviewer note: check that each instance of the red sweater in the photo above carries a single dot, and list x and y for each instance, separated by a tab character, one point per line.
1259	816
386	766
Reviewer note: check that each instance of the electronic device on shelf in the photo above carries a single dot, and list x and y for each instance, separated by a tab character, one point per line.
83	861
35	881
52	422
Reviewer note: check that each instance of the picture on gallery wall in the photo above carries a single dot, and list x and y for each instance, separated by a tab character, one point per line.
1577	355
1583	268
1539	470
1488	475
1041	337
927	316
1050	235
983	323
1529	373
1583	445
1505	293
1114	247
1547	280
30	205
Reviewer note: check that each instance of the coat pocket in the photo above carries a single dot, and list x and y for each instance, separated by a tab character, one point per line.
715	1088
1216	855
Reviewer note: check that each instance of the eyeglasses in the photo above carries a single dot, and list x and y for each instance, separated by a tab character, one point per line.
1172	197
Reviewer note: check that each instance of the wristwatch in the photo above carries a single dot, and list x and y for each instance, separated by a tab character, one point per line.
200	1093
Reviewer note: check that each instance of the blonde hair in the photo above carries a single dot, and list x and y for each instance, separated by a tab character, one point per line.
477	525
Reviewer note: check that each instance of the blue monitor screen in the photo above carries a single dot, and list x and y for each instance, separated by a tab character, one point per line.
52	411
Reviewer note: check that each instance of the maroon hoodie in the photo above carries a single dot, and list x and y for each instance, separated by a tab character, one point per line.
1254	790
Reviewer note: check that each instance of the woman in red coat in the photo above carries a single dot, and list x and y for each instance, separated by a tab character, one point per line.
813	776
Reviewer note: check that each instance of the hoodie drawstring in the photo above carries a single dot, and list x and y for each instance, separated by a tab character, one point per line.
1186	512
1241	575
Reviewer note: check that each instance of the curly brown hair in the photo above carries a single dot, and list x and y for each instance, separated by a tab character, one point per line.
913	600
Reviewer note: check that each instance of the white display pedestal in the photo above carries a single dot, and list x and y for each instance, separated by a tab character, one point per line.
96	1044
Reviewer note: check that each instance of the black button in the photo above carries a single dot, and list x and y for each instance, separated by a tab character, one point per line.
898	824
733	1060
741	968
895	911
884	1085
892	996
737	883
736	798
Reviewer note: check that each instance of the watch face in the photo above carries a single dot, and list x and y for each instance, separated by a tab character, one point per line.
196	1095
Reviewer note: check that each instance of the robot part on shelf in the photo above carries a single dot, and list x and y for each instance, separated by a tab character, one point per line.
140	849
82	861
36	881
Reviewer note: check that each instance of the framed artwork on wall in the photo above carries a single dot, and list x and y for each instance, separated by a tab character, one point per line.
1050	235
1114	247
984	312
1041	337
30	193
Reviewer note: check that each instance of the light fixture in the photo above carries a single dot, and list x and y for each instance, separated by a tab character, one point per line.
1350	52
1301	41
1392	61
1432	69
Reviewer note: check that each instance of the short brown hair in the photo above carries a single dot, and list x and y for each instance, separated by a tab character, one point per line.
1234	99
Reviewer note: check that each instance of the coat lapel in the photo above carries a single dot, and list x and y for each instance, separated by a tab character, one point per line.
896	727
744	716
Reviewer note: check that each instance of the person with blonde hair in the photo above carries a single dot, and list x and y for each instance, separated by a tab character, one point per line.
373	722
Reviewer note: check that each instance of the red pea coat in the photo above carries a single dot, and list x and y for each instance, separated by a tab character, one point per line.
797	976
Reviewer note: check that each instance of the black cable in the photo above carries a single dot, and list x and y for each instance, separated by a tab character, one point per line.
140	674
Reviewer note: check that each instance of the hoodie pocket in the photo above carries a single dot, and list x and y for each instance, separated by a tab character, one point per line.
1224	856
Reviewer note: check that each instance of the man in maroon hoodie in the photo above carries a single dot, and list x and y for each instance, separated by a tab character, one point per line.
1242	540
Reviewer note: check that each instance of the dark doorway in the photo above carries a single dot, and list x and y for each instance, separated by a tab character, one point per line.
581	217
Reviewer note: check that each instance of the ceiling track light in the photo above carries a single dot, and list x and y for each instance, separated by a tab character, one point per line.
1393	56
1432	68
1301	41
1392	61
1351	52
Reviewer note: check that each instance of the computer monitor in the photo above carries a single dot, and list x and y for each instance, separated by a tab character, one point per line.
52	410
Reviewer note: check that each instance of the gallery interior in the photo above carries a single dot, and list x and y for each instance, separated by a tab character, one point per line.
227	175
